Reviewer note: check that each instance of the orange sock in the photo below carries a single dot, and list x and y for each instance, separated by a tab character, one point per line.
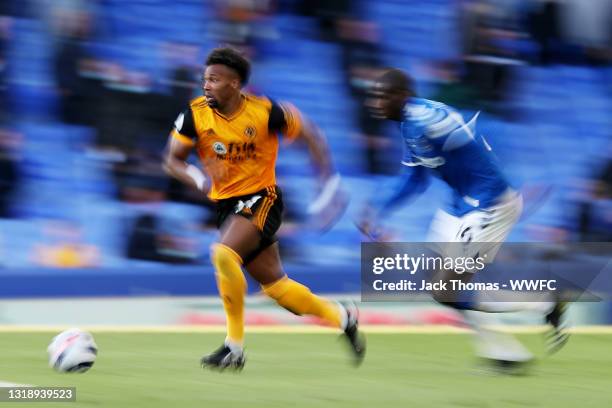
232	287
298	299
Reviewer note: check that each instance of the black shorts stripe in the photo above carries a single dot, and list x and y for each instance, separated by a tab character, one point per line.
265	214
264	209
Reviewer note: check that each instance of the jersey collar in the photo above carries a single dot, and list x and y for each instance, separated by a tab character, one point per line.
238	111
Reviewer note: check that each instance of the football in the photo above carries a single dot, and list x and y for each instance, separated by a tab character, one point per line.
72	351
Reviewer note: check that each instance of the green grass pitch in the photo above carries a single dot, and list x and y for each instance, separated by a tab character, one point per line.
312	370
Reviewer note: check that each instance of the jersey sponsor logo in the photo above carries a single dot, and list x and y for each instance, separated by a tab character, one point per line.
250	131
178	123
219	148
237	152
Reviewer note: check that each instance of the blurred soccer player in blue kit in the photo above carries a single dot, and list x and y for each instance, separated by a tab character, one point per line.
437	141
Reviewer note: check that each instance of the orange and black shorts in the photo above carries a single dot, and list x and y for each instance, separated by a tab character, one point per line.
264	208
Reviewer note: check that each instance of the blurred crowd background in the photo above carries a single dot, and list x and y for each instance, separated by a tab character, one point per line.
89	90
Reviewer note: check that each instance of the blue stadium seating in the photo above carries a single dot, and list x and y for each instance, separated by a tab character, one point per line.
563	133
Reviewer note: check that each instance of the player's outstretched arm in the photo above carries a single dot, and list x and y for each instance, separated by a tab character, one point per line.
412	182
175	164
331	200
318	149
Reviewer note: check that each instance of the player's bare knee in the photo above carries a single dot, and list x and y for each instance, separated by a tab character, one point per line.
266	267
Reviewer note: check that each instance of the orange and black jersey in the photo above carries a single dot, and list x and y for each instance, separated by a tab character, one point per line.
238	152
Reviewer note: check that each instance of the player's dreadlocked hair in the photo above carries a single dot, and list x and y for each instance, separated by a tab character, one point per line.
231	59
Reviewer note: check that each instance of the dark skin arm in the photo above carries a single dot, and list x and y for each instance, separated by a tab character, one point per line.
175	163
317	148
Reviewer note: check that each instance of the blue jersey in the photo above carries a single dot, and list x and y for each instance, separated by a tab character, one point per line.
437	140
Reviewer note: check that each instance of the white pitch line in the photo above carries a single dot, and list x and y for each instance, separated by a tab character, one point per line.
4	384
297	329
